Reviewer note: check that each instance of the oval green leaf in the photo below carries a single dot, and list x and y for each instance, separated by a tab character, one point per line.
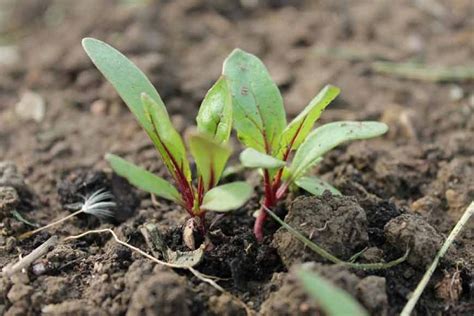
295	133
143	179
259	116
315	186
227	197
215	114
251	158
210	157
166	139
127	79
328	136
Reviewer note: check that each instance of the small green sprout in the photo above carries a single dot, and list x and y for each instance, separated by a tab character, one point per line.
208	146
260	122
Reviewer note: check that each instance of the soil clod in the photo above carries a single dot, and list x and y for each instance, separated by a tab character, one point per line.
161	294
9	199
336	223
412	231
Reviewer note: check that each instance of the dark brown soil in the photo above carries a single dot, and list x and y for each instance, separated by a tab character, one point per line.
407	188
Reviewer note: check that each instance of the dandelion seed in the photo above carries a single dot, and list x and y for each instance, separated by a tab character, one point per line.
99	204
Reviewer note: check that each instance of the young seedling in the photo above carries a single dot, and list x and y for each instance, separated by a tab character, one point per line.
260	122
209	146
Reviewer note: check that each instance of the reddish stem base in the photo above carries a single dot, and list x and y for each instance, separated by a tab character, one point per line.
258	226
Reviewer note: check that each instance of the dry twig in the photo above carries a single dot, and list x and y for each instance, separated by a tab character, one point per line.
26	261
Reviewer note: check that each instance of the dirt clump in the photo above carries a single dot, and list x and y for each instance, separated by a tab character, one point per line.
449	288
371	292
73	307
336	223
19	293
412	231
289	299
163	293
455	185
9	199
225	305
56	289
10	176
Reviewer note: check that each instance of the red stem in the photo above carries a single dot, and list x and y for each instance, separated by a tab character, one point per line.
202	223
273	192
184	186
269	201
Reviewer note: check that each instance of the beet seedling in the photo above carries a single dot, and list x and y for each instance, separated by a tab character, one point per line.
208	146
260	122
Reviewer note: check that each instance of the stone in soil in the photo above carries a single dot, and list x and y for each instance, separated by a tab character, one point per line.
336	223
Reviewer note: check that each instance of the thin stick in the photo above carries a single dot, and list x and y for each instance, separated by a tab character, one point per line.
26	261
32	232
424	72
427	276
108	230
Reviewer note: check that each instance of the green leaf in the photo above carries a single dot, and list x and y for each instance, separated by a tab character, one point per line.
315	185
130	83
215	114
127	79
251	158
333	300
259	116
210	157
227	197
296	132
328	136
166	139
143	179
287	176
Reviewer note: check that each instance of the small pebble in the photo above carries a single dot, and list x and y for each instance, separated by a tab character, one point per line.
9	55
39	269
99	107
11	243
31	106
456	93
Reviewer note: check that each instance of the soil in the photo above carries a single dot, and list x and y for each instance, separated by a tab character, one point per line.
407	188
